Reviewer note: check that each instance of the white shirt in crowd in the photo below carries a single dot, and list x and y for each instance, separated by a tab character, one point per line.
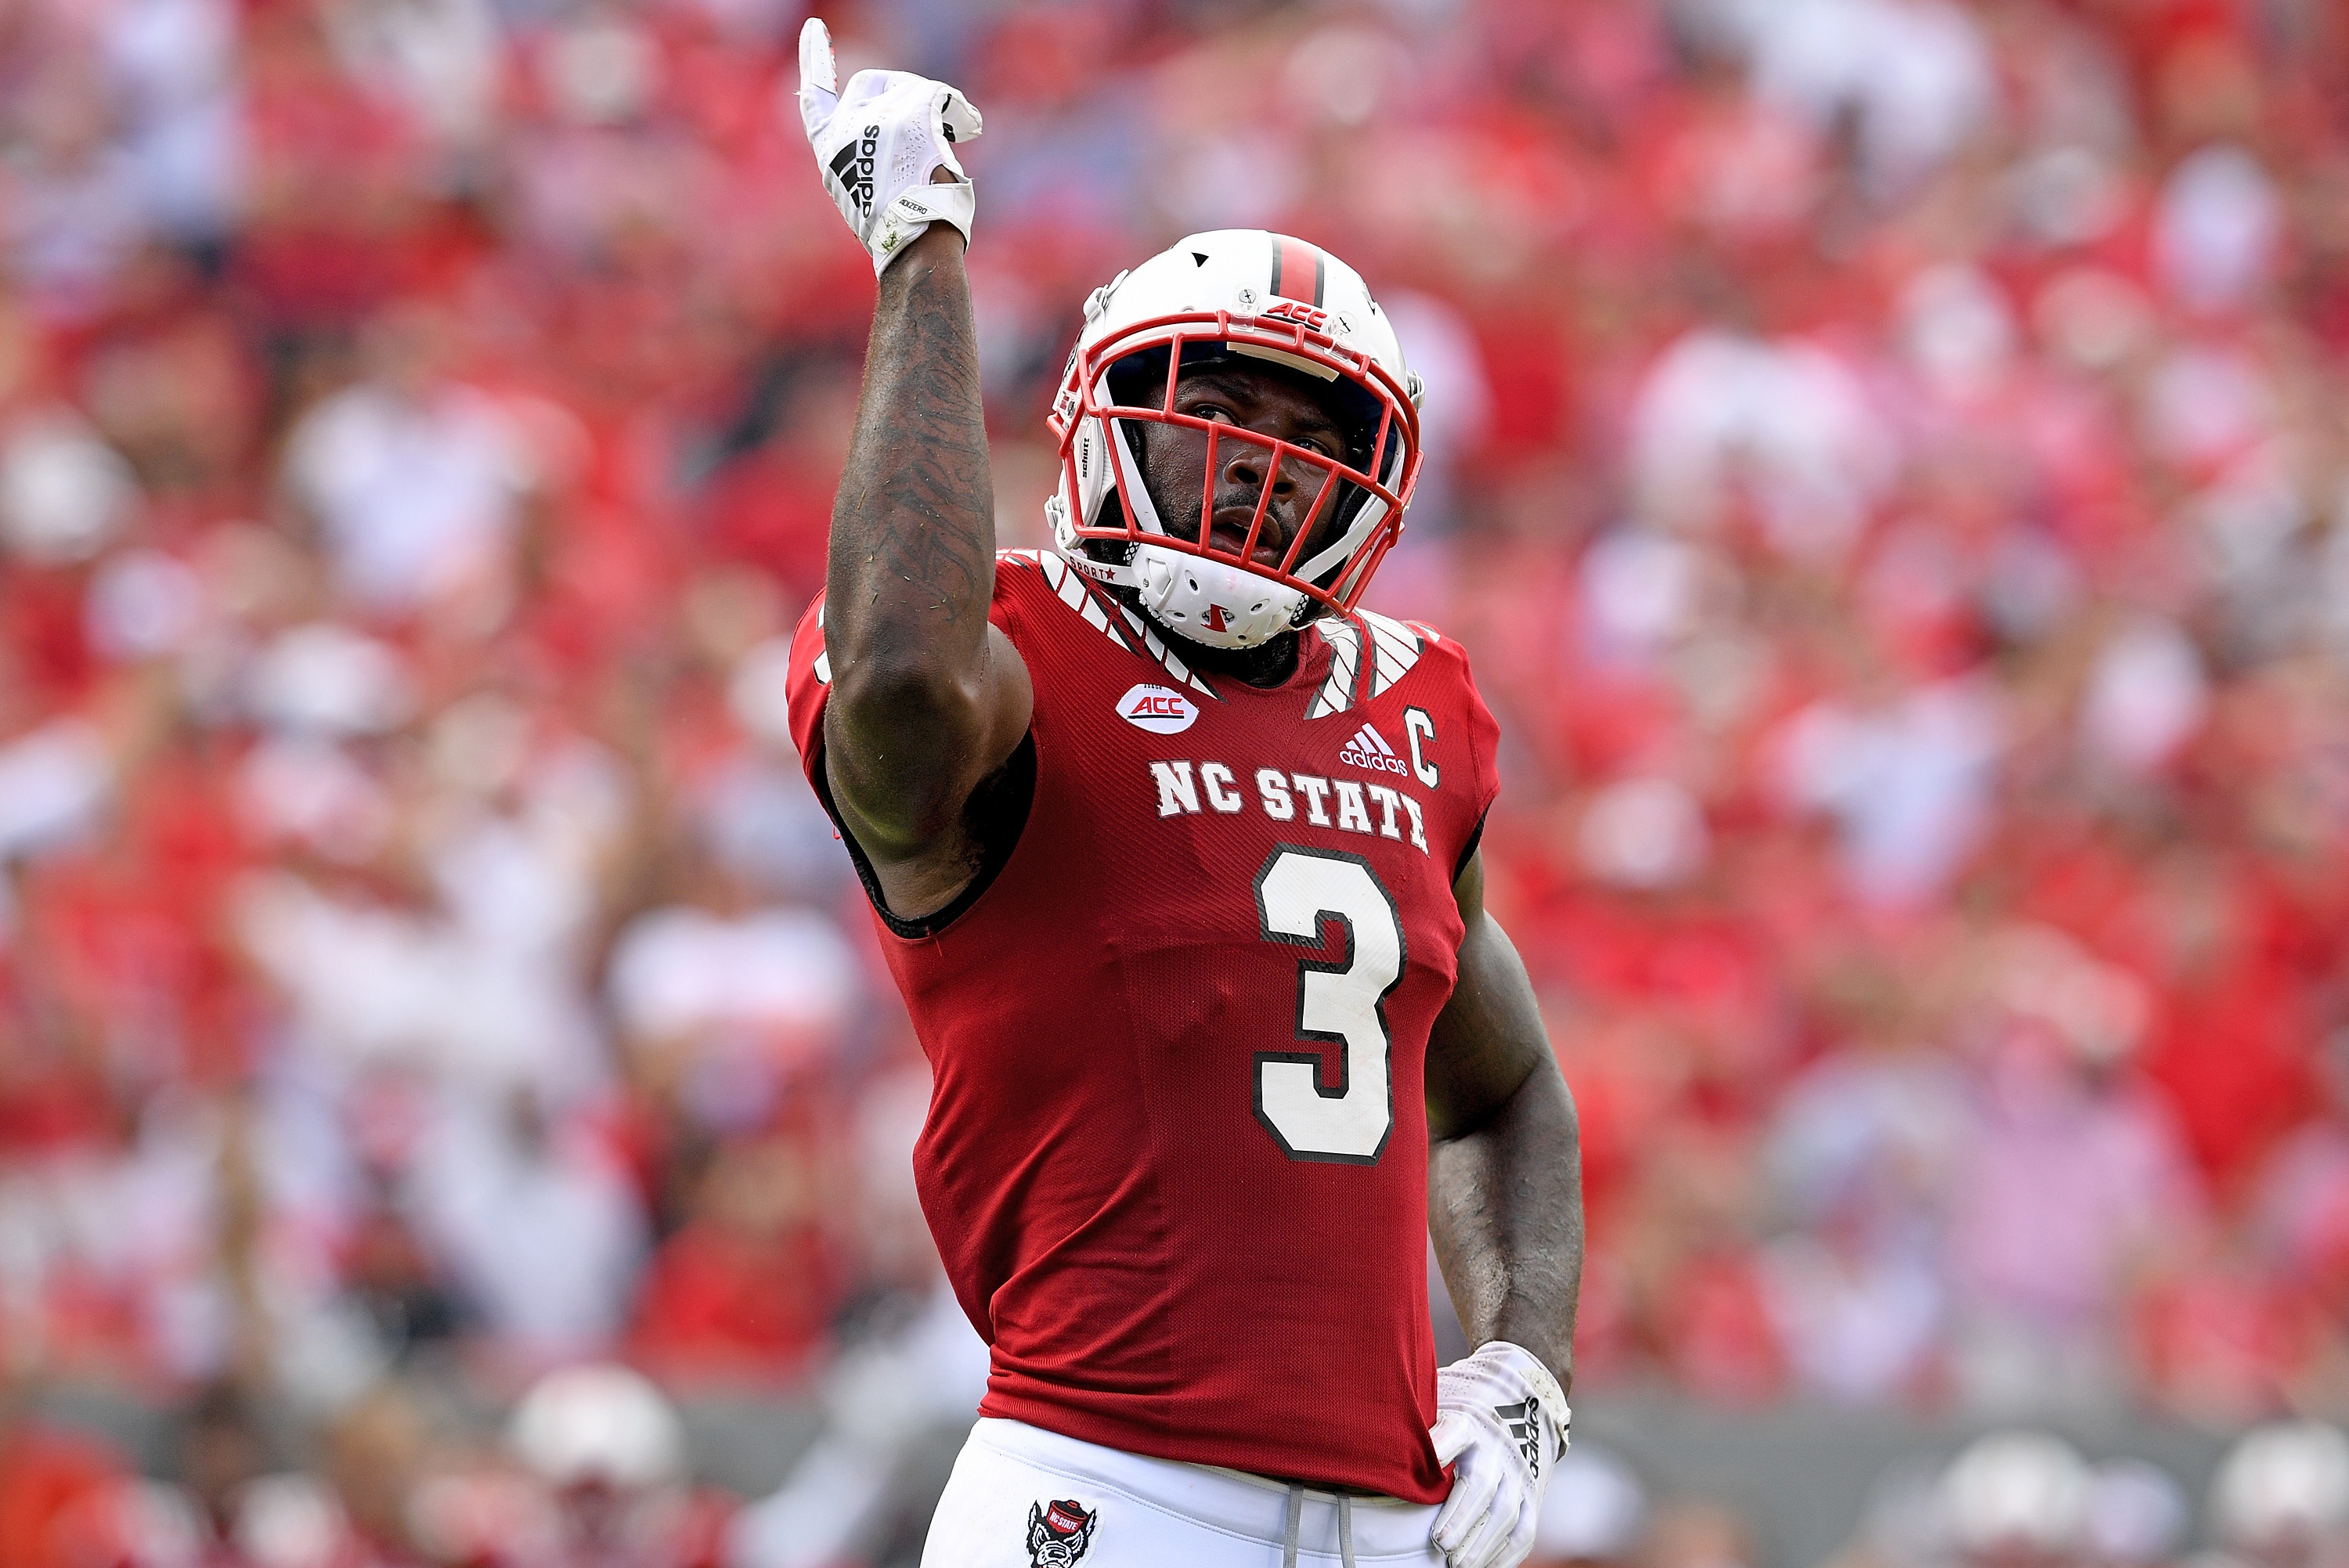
414	497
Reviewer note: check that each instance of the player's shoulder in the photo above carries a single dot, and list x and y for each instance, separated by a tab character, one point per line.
1022	577
1025	577
1027	571
1055	611
1373	654
1038	587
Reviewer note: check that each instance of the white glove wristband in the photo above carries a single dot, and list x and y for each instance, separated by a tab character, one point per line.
1501	1424
877	144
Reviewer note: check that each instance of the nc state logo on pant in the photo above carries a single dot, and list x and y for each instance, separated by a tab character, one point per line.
1059	1534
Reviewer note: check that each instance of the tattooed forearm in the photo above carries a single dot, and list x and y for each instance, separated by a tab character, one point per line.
912	531
925	701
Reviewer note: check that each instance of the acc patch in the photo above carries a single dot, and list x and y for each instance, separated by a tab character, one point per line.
1059	1534
1161	710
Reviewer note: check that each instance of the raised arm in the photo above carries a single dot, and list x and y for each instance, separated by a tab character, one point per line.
927	699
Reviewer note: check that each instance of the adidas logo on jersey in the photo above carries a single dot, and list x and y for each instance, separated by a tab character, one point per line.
1369	748
853	167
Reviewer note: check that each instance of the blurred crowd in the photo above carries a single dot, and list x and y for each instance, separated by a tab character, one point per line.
1888	461
2014	1498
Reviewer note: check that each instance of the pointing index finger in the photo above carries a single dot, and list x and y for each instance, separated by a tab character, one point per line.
818	74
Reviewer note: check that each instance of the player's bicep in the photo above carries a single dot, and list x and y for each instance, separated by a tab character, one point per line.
903	756
1489	1038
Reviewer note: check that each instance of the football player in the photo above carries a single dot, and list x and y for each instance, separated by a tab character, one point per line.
1174	850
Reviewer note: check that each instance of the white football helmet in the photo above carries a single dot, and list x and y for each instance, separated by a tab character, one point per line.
1267	298
599	1421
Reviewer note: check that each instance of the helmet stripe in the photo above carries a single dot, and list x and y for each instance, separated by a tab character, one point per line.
1299	270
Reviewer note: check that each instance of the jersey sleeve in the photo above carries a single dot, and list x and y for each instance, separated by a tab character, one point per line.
806	685
1483	743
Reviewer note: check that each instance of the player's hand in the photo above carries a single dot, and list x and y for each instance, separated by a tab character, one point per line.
878	143
1501	1423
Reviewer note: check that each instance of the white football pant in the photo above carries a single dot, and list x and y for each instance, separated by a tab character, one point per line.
1025	1497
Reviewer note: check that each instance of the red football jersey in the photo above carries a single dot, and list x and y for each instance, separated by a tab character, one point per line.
1176	1151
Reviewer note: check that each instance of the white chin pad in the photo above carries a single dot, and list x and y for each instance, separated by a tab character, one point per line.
1209	602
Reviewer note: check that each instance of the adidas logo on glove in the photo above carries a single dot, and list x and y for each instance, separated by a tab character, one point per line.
879	141
853	167
1524	1422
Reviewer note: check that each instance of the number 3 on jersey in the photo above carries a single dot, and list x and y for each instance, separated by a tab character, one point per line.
1343	1002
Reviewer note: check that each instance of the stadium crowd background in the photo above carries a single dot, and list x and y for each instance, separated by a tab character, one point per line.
1889	462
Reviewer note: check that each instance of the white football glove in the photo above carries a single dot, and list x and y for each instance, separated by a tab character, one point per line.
878	143
1501	1423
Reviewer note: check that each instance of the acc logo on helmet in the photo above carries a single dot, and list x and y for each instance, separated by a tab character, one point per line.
1161	710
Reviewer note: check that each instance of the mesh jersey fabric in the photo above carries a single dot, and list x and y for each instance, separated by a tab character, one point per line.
1176	1158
